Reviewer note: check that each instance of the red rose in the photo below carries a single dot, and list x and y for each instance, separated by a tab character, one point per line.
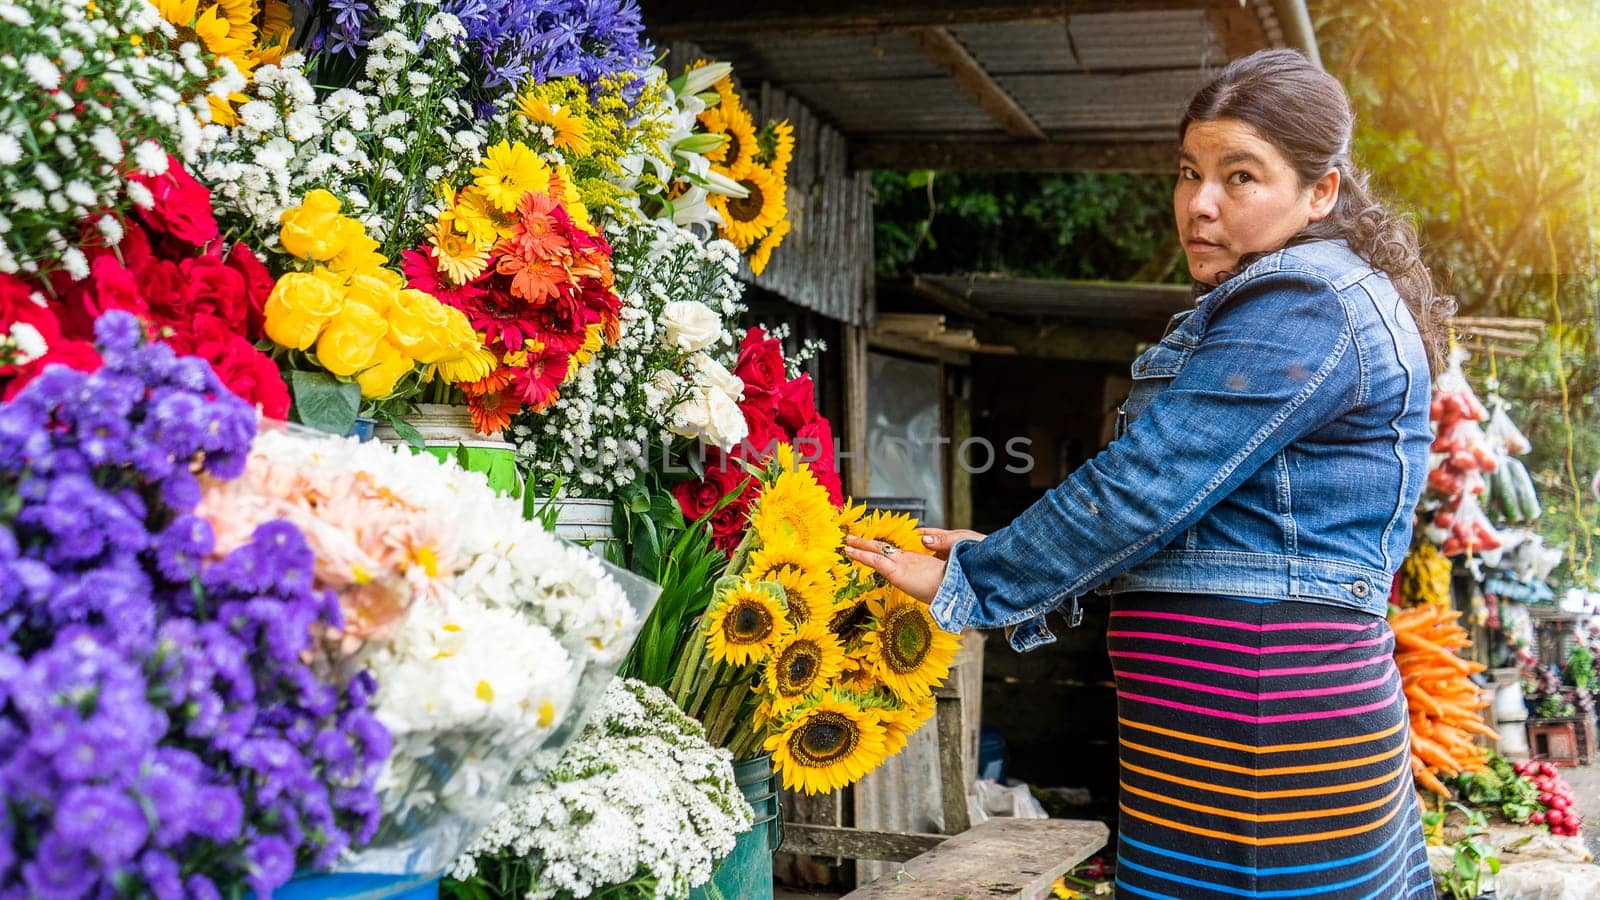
183	207
212	287
760	365
813	443
257	284
249	374
110	285
765	433
698	497
797	403
163	285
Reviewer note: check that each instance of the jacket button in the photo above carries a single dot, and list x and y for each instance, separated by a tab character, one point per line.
1360	589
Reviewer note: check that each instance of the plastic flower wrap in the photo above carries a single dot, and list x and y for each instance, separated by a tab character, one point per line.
165	733
489	637
680	300
98	91
844	664
639	799
515	251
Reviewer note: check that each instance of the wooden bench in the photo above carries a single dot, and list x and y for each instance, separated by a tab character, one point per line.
1001	858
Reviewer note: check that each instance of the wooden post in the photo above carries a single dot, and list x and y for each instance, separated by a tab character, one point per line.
856	470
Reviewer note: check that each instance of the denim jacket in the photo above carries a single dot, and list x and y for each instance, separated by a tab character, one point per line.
1275	443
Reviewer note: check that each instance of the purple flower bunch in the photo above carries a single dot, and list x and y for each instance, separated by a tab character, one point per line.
161	731
508	42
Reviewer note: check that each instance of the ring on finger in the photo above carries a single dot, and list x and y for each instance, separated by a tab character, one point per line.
889	550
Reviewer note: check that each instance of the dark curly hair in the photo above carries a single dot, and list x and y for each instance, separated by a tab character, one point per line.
1305	113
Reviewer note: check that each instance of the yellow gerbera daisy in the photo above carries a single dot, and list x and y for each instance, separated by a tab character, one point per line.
747	219
908	651
744	624
510	170
794	512
826	745
458	256
734	123
763	252
804	661
568	133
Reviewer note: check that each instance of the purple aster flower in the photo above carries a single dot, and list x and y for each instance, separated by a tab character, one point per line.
162	876
218	813
201	888
271	862
102	820
59	869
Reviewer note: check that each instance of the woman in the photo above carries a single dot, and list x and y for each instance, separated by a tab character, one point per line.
1247	521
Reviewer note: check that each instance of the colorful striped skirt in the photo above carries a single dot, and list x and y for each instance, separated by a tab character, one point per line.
1264	752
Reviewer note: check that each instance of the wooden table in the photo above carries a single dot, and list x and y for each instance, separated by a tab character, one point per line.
1001	858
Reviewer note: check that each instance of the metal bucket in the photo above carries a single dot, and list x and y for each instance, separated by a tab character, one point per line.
746	874
360	887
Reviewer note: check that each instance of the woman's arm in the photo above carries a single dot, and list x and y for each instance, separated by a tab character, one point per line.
1274	363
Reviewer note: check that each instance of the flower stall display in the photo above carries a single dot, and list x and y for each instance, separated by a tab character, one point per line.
166	733
115	90
488	636
843	664
639	806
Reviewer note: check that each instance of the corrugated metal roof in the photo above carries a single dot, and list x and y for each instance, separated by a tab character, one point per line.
1078	300
1109	42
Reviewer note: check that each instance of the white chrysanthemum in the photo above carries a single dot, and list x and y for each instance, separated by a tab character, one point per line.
41	71
10	150
640	792
149	158
27	344
76	264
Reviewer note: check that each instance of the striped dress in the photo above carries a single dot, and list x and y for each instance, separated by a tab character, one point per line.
1264	752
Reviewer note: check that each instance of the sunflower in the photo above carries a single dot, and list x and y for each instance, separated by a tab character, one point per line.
857	677
748	219
908	651
743	625
732	122
894	528
807	595
227	30
901	720
567	132
826	745
457	256
509	171
803	661
763	252
794	512
766	561
775	145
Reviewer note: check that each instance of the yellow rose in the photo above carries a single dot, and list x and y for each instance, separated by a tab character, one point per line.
372	290
315	230
359	255
351	338
389	364
299	305
419	325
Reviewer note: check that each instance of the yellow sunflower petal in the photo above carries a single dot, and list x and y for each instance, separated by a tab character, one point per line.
826	745
907	650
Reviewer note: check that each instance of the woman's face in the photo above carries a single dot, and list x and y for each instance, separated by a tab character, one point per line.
1238	194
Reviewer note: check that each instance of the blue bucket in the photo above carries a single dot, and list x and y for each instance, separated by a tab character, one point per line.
746	874
360	886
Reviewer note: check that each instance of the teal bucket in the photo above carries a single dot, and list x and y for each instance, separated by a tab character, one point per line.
359	887
746	874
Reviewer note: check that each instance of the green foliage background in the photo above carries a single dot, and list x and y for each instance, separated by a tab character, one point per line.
1480	118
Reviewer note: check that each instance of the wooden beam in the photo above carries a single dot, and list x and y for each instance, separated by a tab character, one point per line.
977	155
911	346
947	298
712	20
1101	345
824	840
969	74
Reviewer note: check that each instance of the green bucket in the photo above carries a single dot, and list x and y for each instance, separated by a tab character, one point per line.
746	874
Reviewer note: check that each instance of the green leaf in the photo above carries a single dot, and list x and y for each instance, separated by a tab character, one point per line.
407	433
325	403
919	178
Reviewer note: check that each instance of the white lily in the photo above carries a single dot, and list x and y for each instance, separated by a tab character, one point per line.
691	209
724	185
704	77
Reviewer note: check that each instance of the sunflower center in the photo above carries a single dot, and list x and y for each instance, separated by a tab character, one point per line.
827	738
848	619
748	623
798	668
748	208
733	147
909	640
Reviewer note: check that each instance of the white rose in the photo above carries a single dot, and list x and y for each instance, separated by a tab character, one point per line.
689	325
714	376
727	426
692	417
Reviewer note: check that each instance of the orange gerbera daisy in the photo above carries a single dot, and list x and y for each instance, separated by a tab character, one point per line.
534	279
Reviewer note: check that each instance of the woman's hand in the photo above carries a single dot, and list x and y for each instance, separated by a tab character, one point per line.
940	541
915	573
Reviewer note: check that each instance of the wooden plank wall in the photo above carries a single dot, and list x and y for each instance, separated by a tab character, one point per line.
825	263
